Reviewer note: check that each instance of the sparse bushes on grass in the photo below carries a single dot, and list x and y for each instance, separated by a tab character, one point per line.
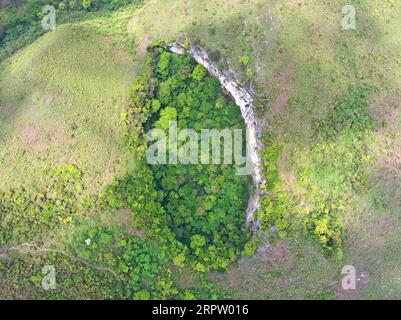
328	172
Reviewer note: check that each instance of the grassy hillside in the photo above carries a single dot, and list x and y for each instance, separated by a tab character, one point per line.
329	99
61	100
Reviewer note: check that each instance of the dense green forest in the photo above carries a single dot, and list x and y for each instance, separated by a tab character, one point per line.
202	204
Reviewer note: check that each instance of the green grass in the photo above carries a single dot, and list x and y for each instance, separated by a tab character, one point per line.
65	92
333	143
60	101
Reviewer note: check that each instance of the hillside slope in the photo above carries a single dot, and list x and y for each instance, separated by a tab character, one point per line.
329	98
61	100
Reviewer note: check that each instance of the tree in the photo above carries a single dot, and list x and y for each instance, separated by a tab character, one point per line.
164	64
62	6
142	295
167	115
199	73
86	4
73	4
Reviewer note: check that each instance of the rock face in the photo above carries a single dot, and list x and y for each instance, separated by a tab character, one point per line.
245	102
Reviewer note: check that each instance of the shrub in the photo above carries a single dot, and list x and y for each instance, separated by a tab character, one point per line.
244	60
86	4
199	73
62	6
